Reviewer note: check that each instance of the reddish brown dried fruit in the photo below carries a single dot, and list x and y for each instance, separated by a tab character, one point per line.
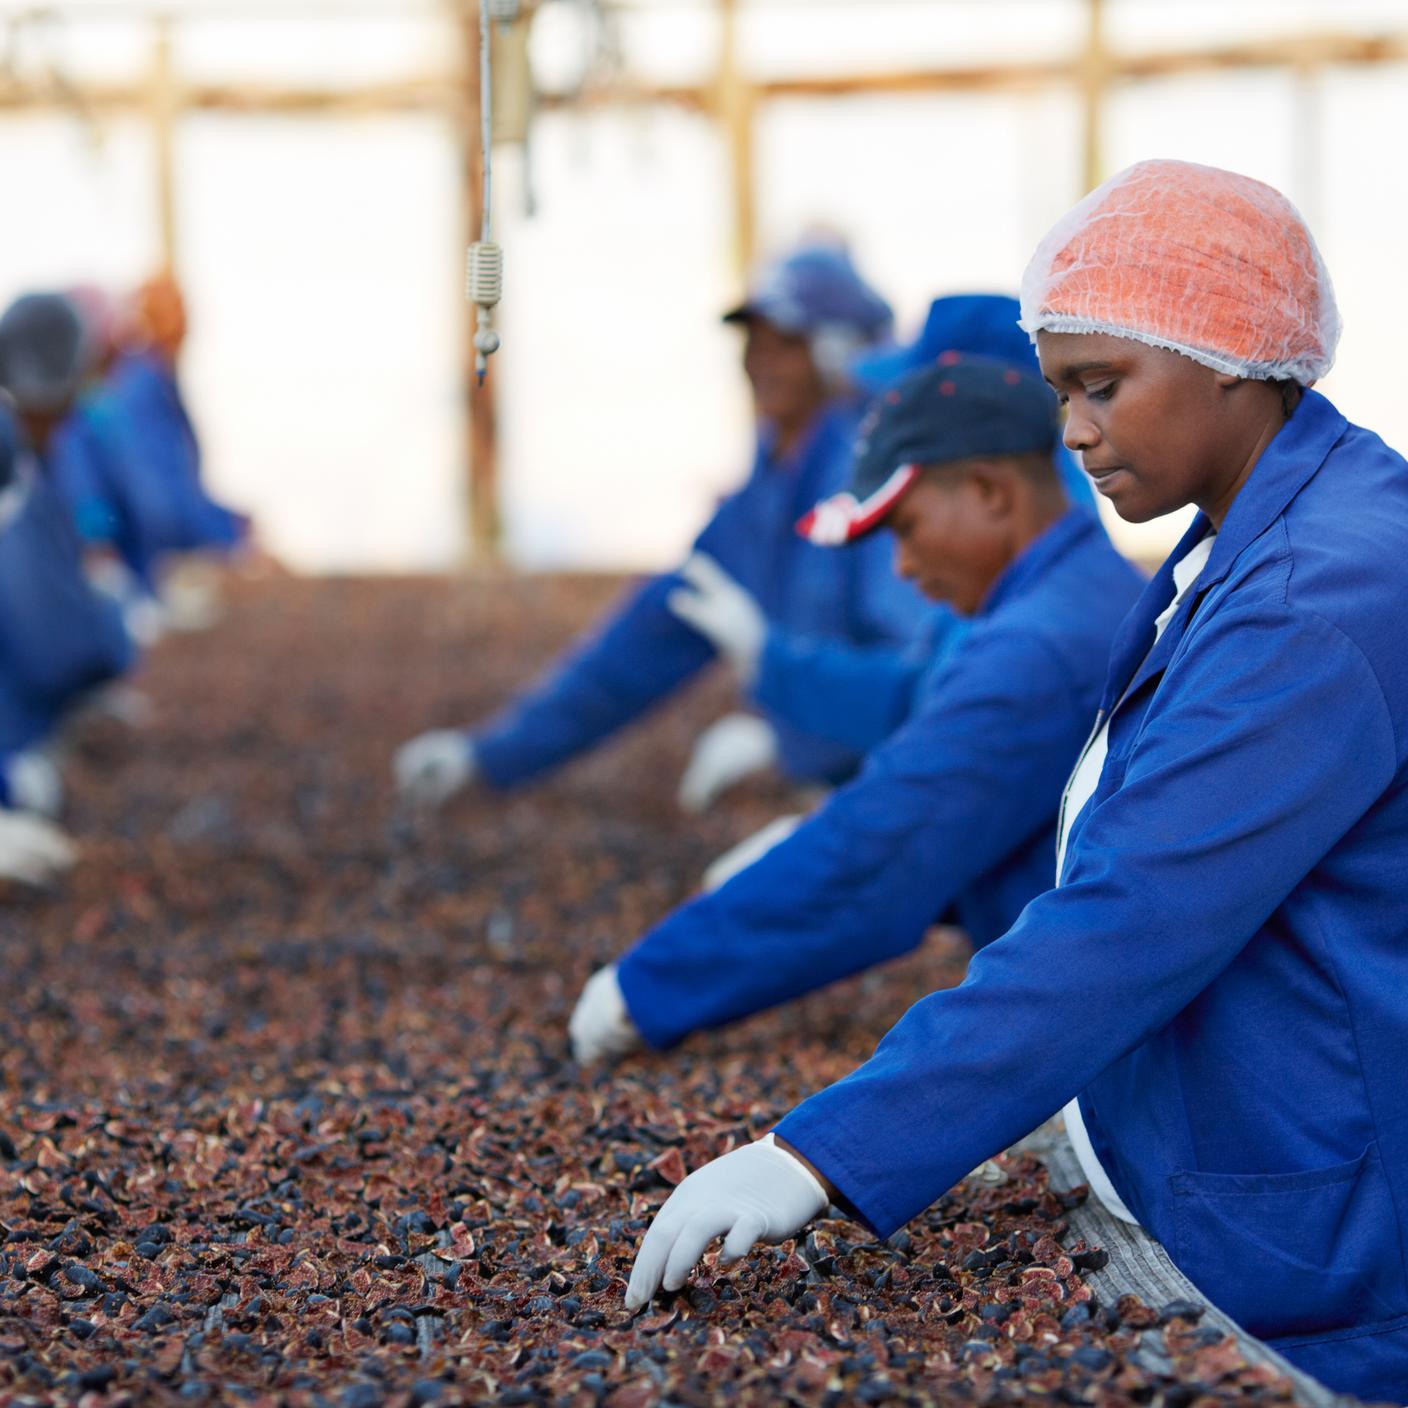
288	1081
670	1166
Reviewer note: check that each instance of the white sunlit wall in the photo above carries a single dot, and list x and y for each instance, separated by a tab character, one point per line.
323	261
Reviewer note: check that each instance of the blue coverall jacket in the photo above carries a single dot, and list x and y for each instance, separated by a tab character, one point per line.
954	816
117	490
143	406
643	651
1223	975
58	637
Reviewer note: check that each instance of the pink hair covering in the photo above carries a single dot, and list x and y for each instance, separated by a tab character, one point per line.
1205	262
97	310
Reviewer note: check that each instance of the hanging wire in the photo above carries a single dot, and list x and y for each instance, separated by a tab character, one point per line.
485	272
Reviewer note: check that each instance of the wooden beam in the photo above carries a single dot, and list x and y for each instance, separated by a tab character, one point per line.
1094	81
440	92
437	93
482	530
161	104
735	104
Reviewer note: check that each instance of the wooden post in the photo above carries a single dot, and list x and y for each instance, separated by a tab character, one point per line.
1094	77
482	530
161	108
737	104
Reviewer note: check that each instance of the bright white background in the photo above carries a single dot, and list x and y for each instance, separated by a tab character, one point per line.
323	266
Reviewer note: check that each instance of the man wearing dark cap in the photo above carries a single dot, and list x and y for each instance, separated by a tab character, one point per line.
802	321
953	817
855	695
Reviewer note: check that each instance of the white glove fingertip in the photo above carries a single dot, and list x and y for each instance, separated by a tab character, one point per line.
746	1232
649	1265
692	1242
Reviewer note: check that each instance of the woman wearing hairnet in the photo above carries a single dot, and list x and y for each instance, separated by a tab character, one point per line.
1219	984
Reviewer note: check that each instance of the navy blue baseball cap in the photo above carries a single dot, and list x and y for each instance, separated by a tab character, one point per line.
981	323
815	288
960	407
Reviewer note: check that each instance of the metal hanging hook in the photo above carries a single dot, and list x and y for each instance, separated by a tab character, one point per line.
484	280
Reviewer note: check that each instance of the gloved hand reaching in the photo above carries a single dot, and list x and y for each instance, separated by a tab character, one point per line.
759	1193
432	767
748	851
722	612
601	1028
32	850
724	754
33	782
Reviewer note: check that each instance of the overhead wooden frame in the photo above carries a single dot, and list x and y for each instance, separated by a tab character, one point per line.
732	98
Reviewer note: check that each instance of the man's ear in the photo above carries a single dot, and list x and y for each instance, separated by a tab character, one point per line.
994	485
1224	380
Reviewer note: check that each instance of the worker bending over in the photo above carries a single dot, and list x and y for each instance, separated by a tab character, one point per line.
802	321
954	816
1220	980
59	638
145	407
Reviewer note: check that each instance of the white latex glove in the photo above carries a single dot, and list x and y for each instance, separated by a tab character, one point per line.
754	848
724	754
758	1193
145	619
34	783
431	768
722	612
32	850
601	1028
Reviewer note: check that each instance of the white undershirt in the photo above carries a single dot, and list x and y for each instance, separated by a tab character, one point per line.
1078	792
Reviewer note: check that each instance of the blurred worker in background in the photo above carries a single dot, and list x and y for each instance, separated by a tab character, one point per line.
1219	983
32	849
125	512
143	413
954	815
804	319
147	390
127	461
855	695
59	638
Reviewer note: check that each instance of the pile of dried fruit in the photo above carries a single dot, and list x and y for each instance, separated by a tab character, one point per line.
286	1112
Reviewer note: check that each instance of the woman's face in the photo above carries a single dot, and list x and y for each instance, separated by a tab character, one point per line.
1155	430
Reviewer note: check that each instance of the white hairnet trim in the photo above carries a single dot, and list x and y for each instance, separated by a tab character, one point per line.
1252	371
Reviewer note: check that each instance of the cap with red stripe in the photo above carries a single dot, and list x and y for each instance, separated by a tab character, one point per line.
959	407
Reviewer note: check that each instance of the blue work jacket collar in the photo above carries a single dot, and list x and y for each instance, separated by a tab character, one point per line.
1030	565
1287	464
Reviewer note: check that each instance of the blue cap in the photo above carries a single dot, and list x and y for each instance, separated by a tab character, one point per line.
981	323
815	288
43	352
957	408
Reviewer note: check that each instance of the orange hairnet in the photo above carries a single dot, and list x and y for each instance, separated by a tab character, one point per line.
158	315
1206	262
